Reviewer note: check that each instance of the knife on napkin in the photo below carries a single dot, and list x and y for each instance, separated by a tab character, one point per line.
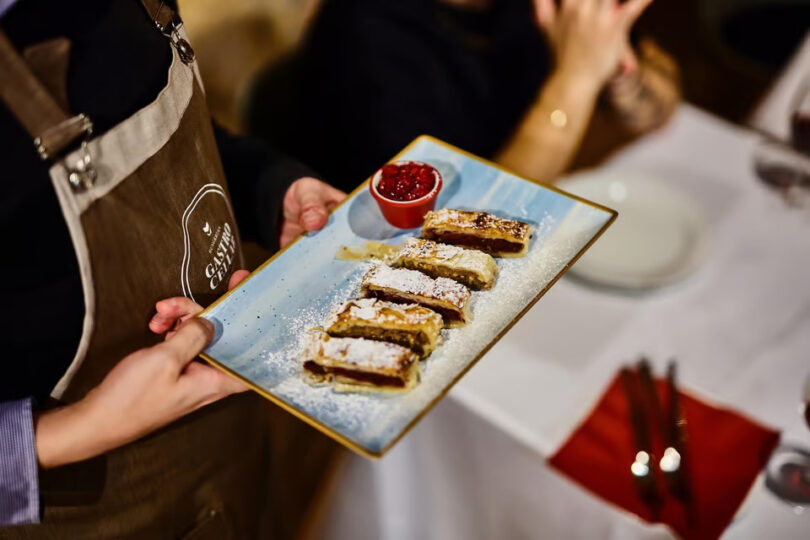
674	461
643	467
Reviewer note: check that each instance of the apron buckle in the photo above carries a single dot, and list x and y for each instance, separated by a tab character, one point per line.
82	175
56	140
53	141
172	31
183	47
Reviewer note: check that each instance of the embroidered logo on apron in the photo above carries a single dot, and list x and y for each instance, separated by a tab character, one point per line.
209	269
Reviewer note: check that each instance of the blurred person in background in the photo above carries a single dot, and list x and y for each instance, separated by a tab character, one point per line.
115	204
512	80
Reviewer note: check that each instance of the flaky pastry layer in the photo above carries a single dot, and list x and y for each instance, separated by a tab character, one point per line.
471	267
497	236
444	296
409	325
359	362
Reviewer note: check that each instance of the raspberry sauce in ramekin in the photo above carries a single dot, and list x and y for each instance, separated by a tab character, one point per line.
406	191
406	181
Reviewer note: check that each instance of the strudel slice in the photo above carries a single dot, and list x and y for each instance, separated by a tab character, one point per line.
444	296
471	267
480	230
356	364
409	325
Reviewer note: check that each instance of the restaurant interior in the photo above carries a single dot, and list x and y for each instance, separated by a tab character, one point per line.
701	282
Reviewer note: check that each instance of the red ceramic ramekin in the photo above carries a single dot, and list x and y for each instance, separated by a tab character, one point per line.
405	214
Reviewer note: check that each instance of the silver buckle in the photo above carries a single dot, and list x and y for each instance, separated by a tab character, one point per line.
84	124
82	175
183	47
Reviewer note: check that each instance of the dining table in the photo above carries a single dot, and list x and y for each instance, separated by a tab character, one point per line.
738	327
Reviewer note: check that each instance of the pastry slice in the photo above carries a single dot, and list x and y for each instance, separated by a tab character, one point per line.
409	325
358	365
480	230
444	296
471	267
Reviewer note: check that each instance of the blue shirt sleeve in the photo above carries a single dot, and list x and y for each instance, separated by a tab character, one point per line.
19	481
5	5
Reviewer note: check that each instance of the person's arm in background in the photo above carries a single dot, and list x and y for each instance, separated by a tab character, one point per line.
589	39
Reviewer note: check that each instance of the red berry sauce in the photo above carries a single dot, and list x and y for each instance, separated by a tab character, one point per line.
406	181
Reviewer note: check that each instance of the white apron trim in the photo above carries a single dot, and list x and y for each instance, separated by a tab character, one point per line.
116	155
125	147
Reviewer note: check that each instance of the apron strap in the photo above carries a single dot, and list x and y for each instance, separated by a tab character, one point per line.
51	127
161	14
169	23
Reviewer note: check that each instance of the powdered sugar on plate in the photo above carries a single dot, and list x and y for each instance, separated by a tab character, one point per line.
417	283
363	354
471	260
262	323
380	311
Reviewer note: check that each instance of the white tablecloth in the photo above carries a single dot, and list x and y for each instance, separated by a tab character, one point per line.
740	329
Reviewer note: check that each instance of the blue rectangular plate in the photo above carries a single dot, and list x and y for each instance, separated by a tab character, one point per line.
259	324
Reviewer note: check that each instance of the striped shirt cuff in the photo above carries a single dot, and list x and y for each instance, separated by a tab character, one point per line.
19	489
5	5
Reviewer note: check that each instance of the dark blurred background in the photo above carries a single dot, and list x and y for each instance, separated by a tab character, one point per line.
728	51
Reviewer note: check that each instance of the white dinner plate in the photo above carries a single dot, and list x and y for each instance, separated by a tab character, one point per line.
659	238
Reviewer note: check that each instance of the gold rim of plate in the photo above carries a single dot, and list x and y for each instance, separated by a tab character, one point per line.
323	428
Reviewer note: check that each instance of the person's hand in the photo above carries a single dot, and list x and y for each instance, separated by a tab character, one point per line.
306	207
172	312
646	98
147	390
589	38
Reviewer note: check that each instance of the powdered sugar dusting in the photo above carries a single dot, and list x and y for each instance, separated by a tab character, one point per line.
382	312
363	354
417	283
367	313
449	255
476	222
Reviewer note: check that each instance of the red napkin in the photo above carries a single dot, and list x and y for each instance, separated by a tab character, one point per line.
725	451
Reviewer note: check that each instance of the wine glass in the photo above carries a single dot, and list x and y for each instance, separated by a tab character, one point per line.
784	170
787	474
785	165
800	119
806	405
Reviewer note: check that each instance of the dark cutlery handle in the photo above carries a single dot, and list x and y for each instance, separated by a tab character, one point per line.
650	399
645	484
678	480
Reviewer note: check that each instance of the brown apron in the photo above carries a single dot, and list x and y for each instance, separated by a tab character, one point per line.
150	217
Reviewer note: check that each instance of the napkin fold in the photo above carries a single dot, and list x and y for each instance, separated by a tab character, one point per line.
726	453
